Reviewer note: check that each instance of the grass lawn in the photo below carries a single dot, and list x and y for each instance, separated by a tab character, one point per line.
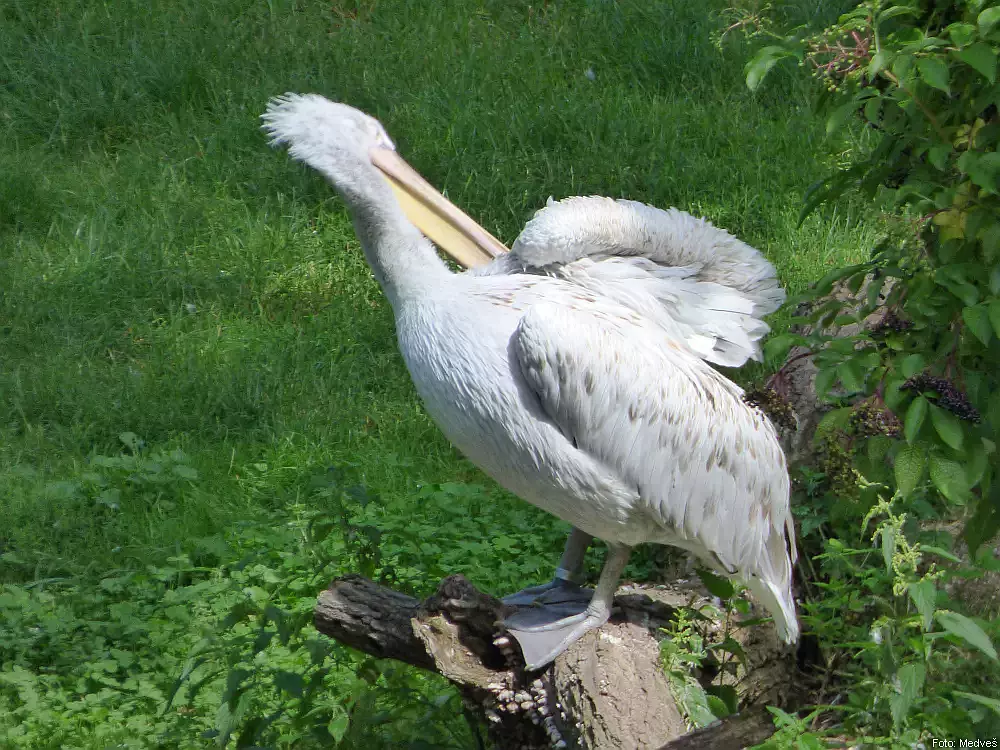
190	338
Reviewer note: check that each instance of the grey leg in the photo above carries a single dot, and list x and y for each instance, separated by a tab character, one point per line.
564	588
571	563
541	642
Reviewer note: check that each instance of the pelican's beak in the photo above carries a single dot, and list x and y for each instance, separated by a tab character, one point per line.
444	223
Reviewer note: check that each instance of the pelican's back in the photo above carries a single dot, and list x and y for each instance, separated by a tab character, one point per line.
701	284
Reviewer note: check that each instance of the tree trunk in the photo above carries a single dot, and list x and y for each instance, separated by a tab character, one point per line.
607	692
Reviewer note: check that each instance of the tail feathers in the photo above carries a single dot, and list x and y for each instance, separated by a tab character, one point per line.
780	604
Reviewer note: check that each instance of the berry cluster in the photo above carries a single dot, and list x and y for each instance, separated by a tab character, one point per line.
835	462
949	397
770	402
870	419
891	322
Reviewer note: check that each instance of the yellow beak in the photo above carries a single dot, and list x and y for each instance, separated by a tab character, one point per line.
440	220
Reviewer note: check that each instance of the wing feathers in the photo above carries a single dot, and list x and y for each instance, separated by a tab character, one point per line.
704	286
709	470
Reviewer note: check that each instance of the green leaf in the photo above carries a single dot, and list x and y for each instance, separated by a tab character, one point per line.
824	380
938	156
131	441
290	682
895	10
967	630
835	419
934	72
994	314
948	427
826	283
716	585
718	707
961	33
761	64
914	419
924	596
911	365
882	58
339	724
909	468
985	522
960	288
851	375
980	699
981	168
185	472
911	683
727	696
977	319
976	462
949	477
931	549
732	646
777	347
987	20
902	64
839	116
981	57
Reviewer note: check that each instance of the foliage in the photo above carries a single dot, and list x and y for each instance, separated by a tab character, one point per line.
910	88
216	643
911	666
922	79
701	655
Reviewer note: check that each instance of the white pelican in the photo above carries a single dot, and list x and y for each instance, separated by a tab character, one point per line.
573	369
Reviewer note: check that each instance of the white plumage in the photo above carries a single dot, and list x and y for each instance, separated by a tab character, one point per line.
573	369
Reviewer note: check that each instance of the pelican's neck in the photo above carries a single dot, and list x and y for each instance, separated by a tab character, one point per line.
404	262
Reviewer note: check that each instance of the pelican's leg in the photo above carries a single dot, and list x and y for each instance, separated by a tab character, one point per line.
541	642
564	588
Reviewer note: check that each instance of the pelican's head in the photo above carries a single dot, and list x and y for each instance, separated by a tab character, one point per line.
344	144
318	131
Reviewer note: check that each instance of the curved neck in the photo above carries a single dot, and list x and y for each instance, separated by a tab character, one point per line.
403	261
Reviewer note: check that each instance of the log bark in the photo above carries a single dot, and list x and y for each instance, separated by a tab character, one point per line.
607	692
749	727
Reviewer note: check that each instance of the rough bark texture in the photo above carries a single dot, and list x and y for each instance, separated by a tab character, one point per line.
371	618
749	727
608	691
796	380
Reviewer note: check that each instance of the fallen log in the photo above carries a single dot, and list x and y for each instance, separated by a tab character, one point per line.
607	692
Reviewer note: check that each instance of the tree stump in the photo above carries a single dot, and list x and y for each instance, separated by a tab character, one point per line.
607	692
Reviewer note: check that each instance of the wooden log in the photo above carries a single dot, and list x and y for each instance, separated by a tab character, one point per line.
607	692
750	727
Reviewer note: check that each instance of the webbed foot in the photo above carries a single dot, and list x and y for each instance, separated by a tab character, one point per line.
556	592
542	637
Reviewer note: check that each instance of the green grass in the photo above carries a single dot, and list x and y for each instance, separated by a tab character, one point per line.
163	273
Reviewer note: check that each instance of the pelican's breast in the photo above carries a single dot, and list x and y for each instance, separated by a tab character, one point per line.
460	360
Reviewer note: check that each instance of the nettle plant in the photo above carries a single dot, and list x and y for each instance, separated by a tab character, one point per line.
921	378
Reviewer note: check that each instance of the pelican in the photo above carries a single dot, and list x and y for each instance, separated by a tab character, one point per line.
574	369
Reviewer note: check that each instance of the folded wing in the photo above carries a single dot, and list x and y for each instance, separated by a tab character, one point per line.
699	283
708	469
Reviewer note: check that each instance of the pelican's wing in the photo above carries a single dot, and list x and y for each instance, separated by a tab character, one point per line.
709	470
699	282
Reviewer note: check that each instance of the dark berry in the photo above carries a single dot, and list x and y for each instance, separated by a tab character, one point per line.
870	418
948	396
891	322
771	403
